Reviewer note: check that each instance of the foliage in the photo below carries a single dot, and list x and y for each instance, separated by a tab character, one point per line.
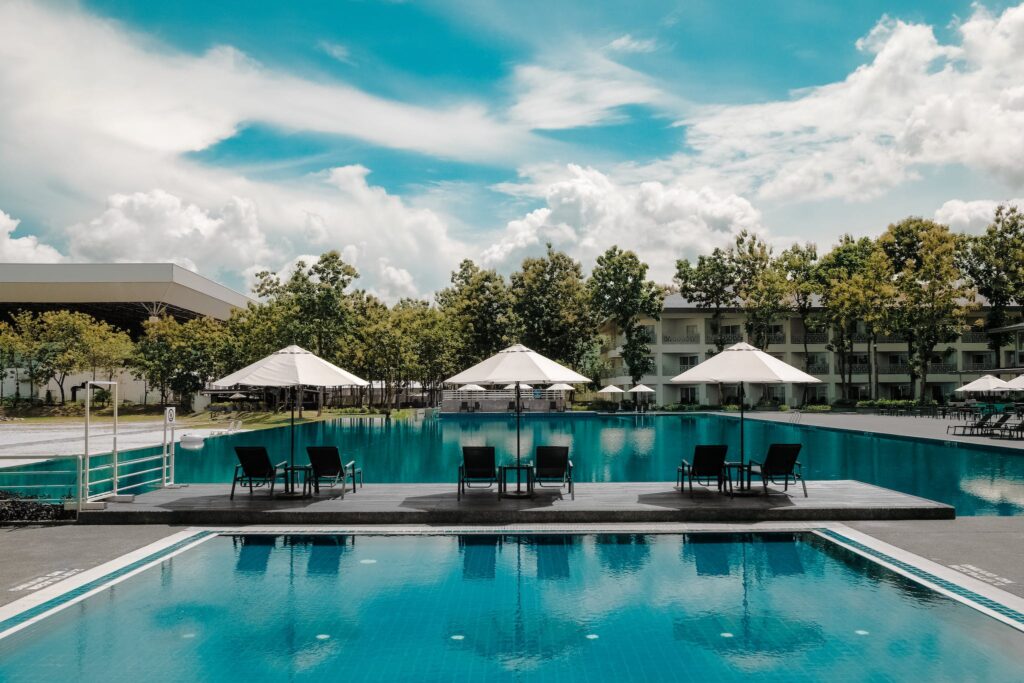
710	284
478	306
800	265
178	357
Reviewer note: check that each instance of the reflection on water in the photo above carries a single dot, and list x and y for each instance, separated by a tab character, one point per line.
729	607
640	448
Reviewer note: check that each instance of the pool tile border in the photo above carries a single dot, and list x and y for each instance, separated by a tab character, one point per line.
32	608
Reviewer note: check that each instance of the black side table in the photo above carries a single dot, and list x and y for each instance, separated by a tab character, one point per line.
742	470
520	470
292	474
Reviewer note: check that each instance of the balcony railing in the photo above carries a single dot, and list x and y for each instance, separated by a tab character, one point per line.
680	339
890	339
974	337
894	369
977	367
777	338
859	337
817	369
942	368
727	338
811	338
859	368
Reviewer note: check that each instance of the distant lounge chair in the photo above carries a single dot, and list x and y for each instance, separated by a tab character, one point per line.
1013	431
478	469
464	407
553	469
328	467
708	465
511	406
993	426
476	407
254	469
780	462
967	429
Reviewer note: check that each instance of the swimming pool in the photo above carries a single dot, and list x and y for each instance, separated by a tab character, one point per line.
766	607
977	481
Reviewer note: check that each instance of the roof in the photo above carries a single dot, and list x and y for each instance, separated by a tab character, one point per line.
113	283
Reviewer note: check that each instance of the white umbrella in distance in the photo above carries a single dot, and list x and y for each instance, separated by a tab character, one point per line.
561	386
610	389
1016	383
294	367
742	363
641	389
985	384
521	386
472	387
517	365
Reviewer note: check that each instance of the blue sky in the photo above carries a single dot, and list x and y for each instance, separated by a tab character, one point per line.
240	135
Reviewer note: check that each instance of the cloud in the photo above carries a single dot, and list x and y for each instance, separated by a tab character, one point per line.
336	51
971	216
587	93
628	43
586	212
916	103
25	249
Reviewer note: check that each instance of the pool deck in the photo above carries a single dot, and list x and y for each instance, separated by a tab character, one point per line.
208	504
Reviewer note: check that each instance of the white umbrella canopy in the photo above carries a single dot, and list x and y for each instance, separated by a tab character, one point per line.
610	389
237	396
641	389
743	363
292	366
561	386
472	387
1016	383
523	385
517	364
986	383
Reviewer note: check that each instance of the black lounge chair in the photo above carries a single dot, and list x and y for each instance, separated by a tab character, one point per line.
708	465
328	467
553	469
1013	431
780	462
464	407
991	427
478	469
254	469
965	430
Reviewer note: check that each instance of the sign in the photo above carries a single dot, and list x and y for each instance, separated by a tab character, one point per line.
169	415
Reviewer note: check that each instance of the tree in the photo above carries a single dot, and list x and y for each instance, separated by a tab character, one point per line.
60	343
760	285
179	358
710	284
107	348
800	265
552	308
840	307
479	306
993	263
936	299
621	292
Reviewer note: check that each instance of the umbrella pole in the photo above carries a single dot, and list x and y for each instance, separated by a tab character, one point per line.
518	413
742	432
292	456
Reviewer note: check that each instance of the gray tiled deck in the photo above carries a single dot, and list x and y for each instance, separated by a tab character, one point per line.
208	504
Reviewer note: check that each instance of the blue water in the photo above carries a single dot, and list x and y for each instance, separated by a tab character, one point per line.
516	608
976	481
607	448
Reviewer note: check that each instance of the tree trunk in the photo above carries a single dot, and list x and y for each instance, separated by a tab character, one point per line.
60	385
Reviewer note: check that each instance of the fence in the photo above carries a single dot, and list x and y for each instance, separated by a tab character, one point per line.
36	484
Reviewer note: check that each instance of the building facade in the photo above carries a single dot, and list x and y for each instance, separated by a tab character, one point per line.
683	337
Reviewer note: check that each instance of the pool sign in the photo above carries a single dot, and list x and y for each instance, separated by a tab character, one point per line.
169	415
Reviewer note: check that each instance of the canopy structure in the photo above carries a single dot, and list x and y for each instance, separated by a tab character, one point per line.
517	365
641	389
1016	383
986	384
295	367
610	389
237	396
561	386
742	363
472	387
521	386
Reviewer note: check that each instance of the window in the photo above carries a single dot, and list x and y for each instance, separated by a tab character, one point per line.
692	331
687	394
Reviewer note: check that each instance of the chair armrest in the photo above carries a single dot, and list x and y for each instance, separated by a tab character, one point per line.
570	465
351	463
759	463
798	465
280	464
685	464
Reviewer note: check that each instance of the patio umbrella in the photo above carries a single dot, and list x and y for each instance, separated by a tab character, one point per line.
521	386
742	363
517	365
610	389
292	367
561	386
1016	383
472	387
986	383
237	396
641	389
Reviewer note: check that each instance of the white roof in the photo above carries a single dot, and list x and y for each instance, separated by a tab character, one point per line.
641	389
743	363
611	389
289	367
985	383
517	364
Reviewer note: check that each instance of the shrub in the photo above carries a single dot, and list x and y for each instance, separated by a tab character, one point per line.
818	408
784	408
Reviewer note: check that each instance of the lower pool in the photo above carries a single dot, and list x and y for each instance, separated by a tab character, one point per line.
697	607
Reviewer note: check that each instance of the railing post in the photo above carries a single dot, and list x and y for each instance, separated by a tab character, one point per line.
78	482
85	475
114	449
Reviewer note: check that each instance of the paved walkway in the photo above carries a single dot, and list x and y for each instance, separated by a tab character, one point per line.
594	503
918	427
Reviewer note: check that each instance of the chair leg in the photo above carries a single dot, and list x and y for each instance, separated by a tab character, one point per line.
233	482
804	484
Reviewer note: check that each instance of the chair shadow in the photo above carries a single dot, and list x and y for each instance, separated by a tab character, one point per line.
259	500
481	500
703	496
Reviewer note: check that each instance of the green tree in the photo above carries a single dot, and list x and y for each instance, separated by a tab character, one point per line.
552	308
107	348
479	306
61	346
993	263
179	358
761	287
620	292
800	265
840	305
710	285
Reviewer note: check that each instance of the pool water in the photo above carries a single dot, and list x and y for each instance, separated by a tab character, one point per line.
977	481
699	607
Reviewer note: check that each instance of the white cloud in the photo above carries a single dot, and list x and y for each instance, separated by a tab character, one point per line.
916	103
25	249
393	283
971	216
588	92
336	51
586	212
628	43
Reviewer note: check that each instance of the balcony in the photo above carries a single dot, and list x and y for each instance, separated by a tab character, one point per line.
817	369
858	368
777	338
680	339
890	339
978	367
811	338
974	337
942	368
728	338
860	338
894	369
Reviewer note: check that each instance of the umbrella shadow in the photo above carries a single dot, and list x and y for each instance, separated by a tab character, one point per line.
672	499
258	501
481	500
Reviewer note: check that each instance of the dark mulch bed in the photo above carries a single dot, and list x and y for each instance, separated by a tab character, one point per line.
24	509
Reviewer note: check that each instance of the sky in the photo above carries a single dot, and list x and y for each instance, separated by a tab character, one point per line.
243	135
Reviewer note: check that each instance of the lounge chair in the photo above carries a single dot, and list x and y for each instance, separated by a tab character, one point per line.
476	407
1013	431
511	406
553	469
993	426
464	407
967	429
708	465
779	462
478	469
328	467
254	469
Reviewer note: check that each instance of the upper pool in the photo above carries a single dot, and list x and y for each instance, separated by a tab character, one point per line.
976	480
